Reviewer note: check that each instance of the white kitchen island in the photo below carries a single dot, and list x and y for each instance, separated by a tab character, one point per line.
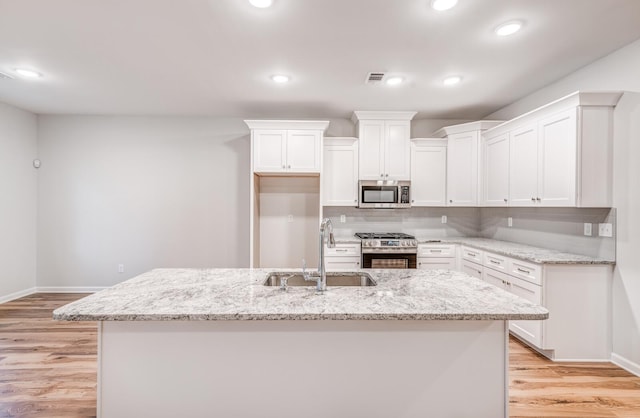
217	343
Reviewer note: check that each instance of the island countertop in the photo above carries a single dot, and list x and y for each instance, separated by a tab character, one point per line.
238	294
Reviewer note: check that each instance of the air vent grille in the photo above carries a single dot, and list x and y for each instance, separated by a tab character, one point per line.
4	75
374	77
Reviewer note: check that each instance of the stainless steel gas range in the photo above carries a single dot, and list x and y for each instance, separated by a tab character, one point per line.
388	250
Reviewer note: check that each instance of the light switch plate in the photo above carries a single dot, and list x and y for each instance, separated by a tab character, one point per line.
289	218
444	219
587	229
509	221
605	230
343	218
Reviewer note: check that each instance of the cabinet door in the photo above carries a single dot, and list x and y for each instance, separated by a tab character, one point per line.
342	263
269	150
303	151
523	173
340	173
437	263
530	331
462	169
428	174
496	171
397	161
496	278
371	149
557	159
472	269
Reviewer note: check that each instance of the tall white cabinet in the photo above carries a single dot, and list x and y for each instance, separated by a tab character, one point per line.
463	166
428	172
285	191
557	155
384	150
340	172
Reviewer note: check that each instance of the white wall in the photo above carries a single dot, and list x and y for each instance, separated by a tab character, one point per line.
145	192
618	71
18	195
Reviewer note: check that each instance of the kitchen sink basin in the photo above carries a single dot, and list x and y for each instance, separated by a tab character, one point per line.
333	279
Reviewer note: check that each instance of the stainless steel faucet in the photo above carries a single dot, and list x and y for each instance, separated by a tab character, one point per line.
321	278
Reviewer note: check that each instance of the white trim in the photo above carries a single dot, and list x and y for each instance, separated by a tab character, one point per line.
17	295
319	125
625	363
69	289
480	125
359	115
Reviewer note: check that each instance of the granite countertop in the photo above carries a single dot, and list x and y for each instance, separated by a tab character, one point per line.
522	251
238	294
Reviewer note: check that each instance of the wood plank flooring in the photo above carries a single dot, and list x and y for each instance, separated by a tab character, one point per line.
48	369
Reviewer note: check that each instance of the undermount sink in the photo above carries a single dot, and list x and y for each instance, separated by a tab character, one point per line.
333	279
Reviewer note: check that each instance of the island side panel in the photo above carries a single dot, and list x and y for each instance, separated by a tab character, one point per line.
377	369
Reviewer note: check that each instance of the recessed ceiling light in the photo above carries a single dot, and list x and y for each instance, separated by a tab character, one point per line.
394	81
262	4
23	72
508	28
441	5
279	78
450	81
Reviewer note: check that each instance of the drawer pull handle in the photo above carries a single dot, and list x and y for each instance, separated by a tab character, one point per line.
472	254
494	261
341	250
436	251
523	270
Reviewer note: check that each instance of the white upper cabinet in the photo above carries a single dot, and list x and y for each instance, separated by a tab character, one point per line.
496	173
428	172
384	145
286	147
523	165
340	172
463	154
559	154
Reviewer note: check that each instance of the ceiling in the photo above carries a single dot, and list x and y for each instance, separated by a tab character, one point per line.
215	57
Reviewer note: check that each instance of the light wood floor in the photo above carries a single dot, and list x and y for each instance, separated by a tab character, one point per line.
48	369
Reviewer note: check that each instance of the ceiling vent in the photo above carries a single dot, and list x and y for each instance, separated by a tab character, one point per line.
3	76
374	78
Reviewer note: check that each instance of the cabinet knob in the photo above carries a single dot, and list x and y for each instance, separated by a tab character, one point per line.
413	201
386	175
284	166
538	199
533	199
505	200
381	175
289	166
450	201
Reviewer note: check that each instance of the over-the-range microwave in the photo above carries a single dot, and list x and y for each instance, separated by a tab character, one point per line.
384	194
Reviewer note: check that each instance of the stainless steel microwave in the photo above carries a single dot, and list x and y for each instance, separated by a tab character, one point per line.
384	194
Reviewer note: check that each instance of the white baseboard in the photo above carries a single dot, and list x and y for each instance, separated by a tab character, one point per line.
17	295
69	289
626	364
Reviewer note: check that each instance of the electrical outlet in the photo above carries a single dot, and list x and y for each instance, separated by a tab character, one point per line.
289	218
343	218
444	219
509	221
120	268
587	229
605	230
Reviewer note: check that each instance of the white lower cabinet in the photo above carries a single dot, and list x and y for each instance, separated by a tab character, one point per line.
437	256
472	269
344	256
578	297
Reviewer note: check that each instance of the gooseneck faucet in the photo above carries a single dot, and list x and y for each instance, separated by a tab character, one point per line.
321	279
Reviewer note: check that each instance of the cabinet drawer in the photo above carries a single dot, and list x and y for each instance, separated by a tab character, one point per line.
437	251
436	263
471	254
343	250
527	271
342	263
530	331
496	262
472	269
497	278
